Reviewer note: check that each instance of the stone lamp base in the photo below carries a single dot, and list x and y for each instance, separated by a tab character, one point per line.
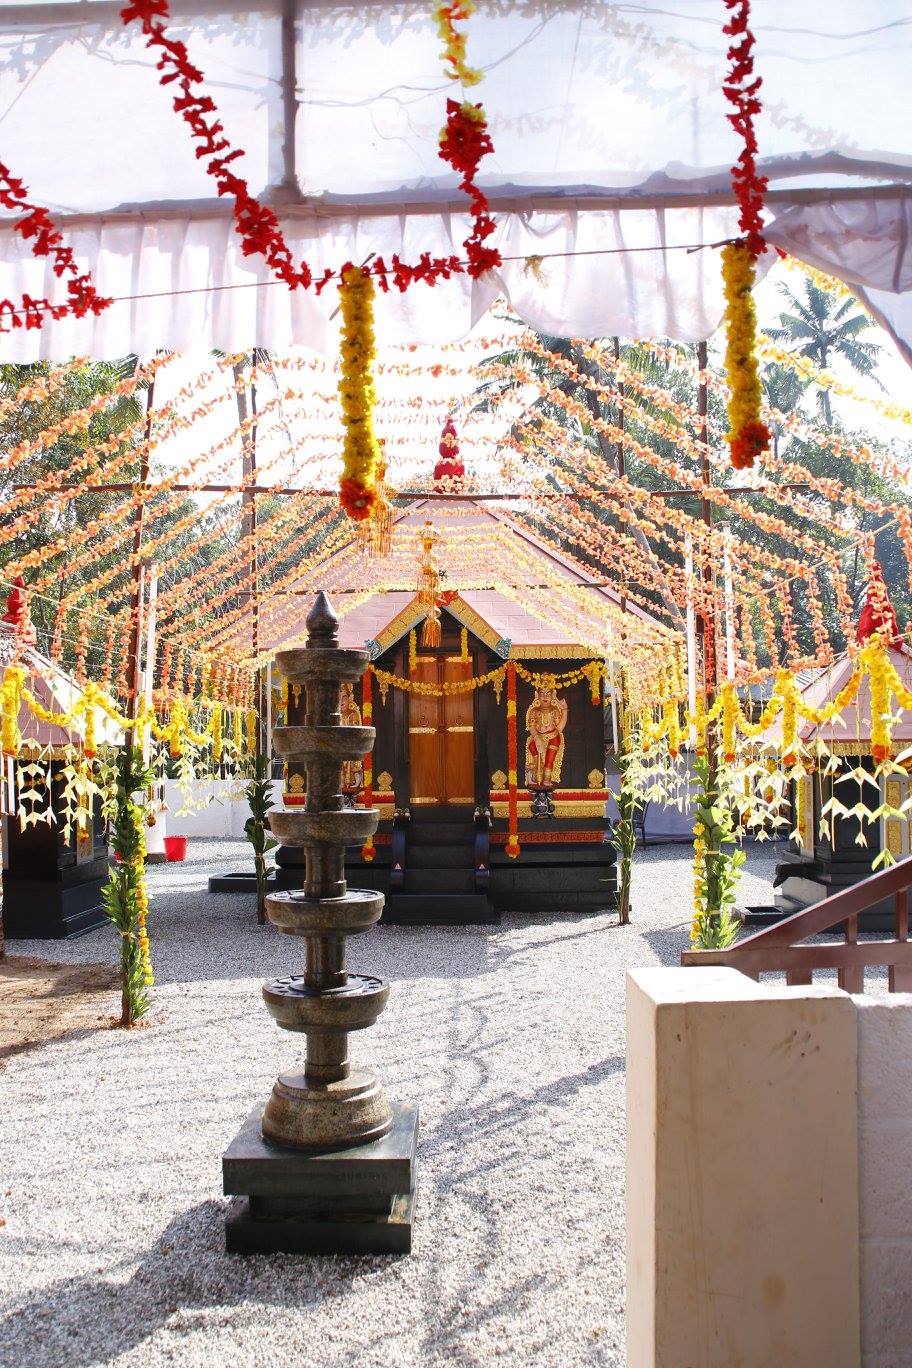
354	1201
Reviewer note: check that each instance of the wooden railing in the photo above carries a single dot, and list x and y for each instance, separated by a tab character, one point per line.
777	947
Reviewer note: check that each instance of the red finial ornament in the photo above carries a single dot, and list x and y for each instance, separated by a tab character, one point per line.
449	470
878	613
17	614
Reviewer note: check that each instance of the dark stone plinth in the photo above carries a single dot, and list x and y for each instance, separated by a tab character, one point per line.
355	1201
241	882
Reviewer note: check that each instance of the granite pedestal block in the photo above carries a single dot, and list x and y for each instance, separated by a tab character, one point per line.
354	1201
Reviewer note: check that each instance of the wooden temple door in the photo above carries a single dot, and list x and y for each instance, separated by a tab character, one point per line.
442	736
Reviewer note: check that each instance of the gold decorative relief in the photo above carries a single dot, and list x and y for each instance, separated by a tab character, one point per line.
546	718
384	782
352	770
296	782
596	778
498	780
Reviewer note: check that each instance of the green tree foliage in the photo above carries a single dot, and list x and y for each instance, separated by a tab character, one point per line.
834	524
822	327
92	512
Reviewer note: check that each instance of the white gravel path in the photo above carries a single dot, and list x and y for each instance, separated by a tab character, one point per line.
511	1038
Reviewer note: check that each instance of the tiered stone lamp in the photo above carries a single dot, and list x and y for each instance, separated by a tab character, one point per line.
328	1165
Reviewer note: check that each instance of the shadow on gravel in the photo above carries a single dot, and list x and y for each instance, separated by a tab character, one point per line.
668	943
183	1278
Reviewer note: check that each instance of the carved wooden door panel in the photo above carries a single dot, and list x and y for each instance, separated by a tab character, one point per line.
441	737
426	738
458	736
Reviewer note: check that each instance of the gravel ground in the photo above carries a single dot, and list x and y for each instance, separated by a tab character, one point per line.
511	1038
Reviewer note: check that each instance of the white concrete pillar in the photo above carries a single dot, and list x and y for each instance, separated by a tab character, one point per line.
742	1173
885	1157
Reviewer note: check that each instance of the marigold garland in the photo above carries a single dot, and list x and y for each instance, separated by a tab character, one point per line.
454	42
360	451
873	663
741	89
257	224
747	436
464	140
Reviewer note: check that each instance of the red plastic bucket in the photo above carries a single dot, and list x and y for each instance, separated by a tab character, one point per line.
176	847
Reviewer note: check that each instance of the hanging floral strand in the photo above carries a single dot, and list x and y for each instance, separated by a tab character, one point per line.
257	224
360	451
464	139
36	226
454	41
748	435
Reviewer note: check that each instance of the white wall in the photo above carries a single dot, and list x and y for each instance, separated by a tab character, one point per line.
225	811
885	1151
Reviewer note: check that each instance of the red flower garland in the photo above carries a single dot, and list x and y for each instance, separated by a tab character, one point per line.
37	227
256	224
463	142
743	94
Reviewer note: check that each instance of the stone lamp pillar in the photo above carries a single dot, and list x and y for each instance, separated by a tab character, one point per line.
328	1165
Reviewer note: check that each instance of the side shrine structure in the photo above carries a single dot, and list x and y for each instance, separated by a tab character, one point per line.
833	847
493	712
54	870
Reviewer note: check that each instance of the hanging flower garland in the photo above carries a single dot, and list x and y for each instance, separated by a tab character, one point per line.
464	140
512	846
37	227
454	41
748	435
361	451
256	224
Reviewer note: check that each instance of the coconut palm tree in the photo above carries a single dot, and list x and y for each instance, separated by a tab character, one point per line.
825	328
784	390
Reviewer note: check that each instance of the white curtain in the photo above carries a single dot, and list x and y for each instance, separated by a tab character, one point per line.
592	106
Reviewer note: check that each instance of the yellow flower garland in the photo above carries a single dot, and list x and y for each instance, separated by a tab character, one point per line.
360	450
175	731
873	663
747	435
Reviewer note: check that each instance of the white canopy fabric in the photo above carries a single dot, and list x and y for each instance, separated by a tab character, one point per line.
612	162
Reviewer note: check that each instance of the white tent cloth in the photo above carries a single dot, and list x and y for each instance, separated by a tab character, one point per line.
611	161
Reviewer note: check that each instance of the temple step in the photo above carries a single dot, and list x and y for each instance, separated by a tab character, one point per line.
439	909
443	879
440	831
453	855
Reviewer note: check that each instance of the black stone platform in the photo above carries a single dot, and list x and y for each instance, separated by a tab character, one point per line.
57	907
354	1201
242	881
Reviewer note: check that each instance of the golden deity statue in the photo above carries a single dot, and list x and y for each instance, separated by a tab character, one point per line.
352	770
546	718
